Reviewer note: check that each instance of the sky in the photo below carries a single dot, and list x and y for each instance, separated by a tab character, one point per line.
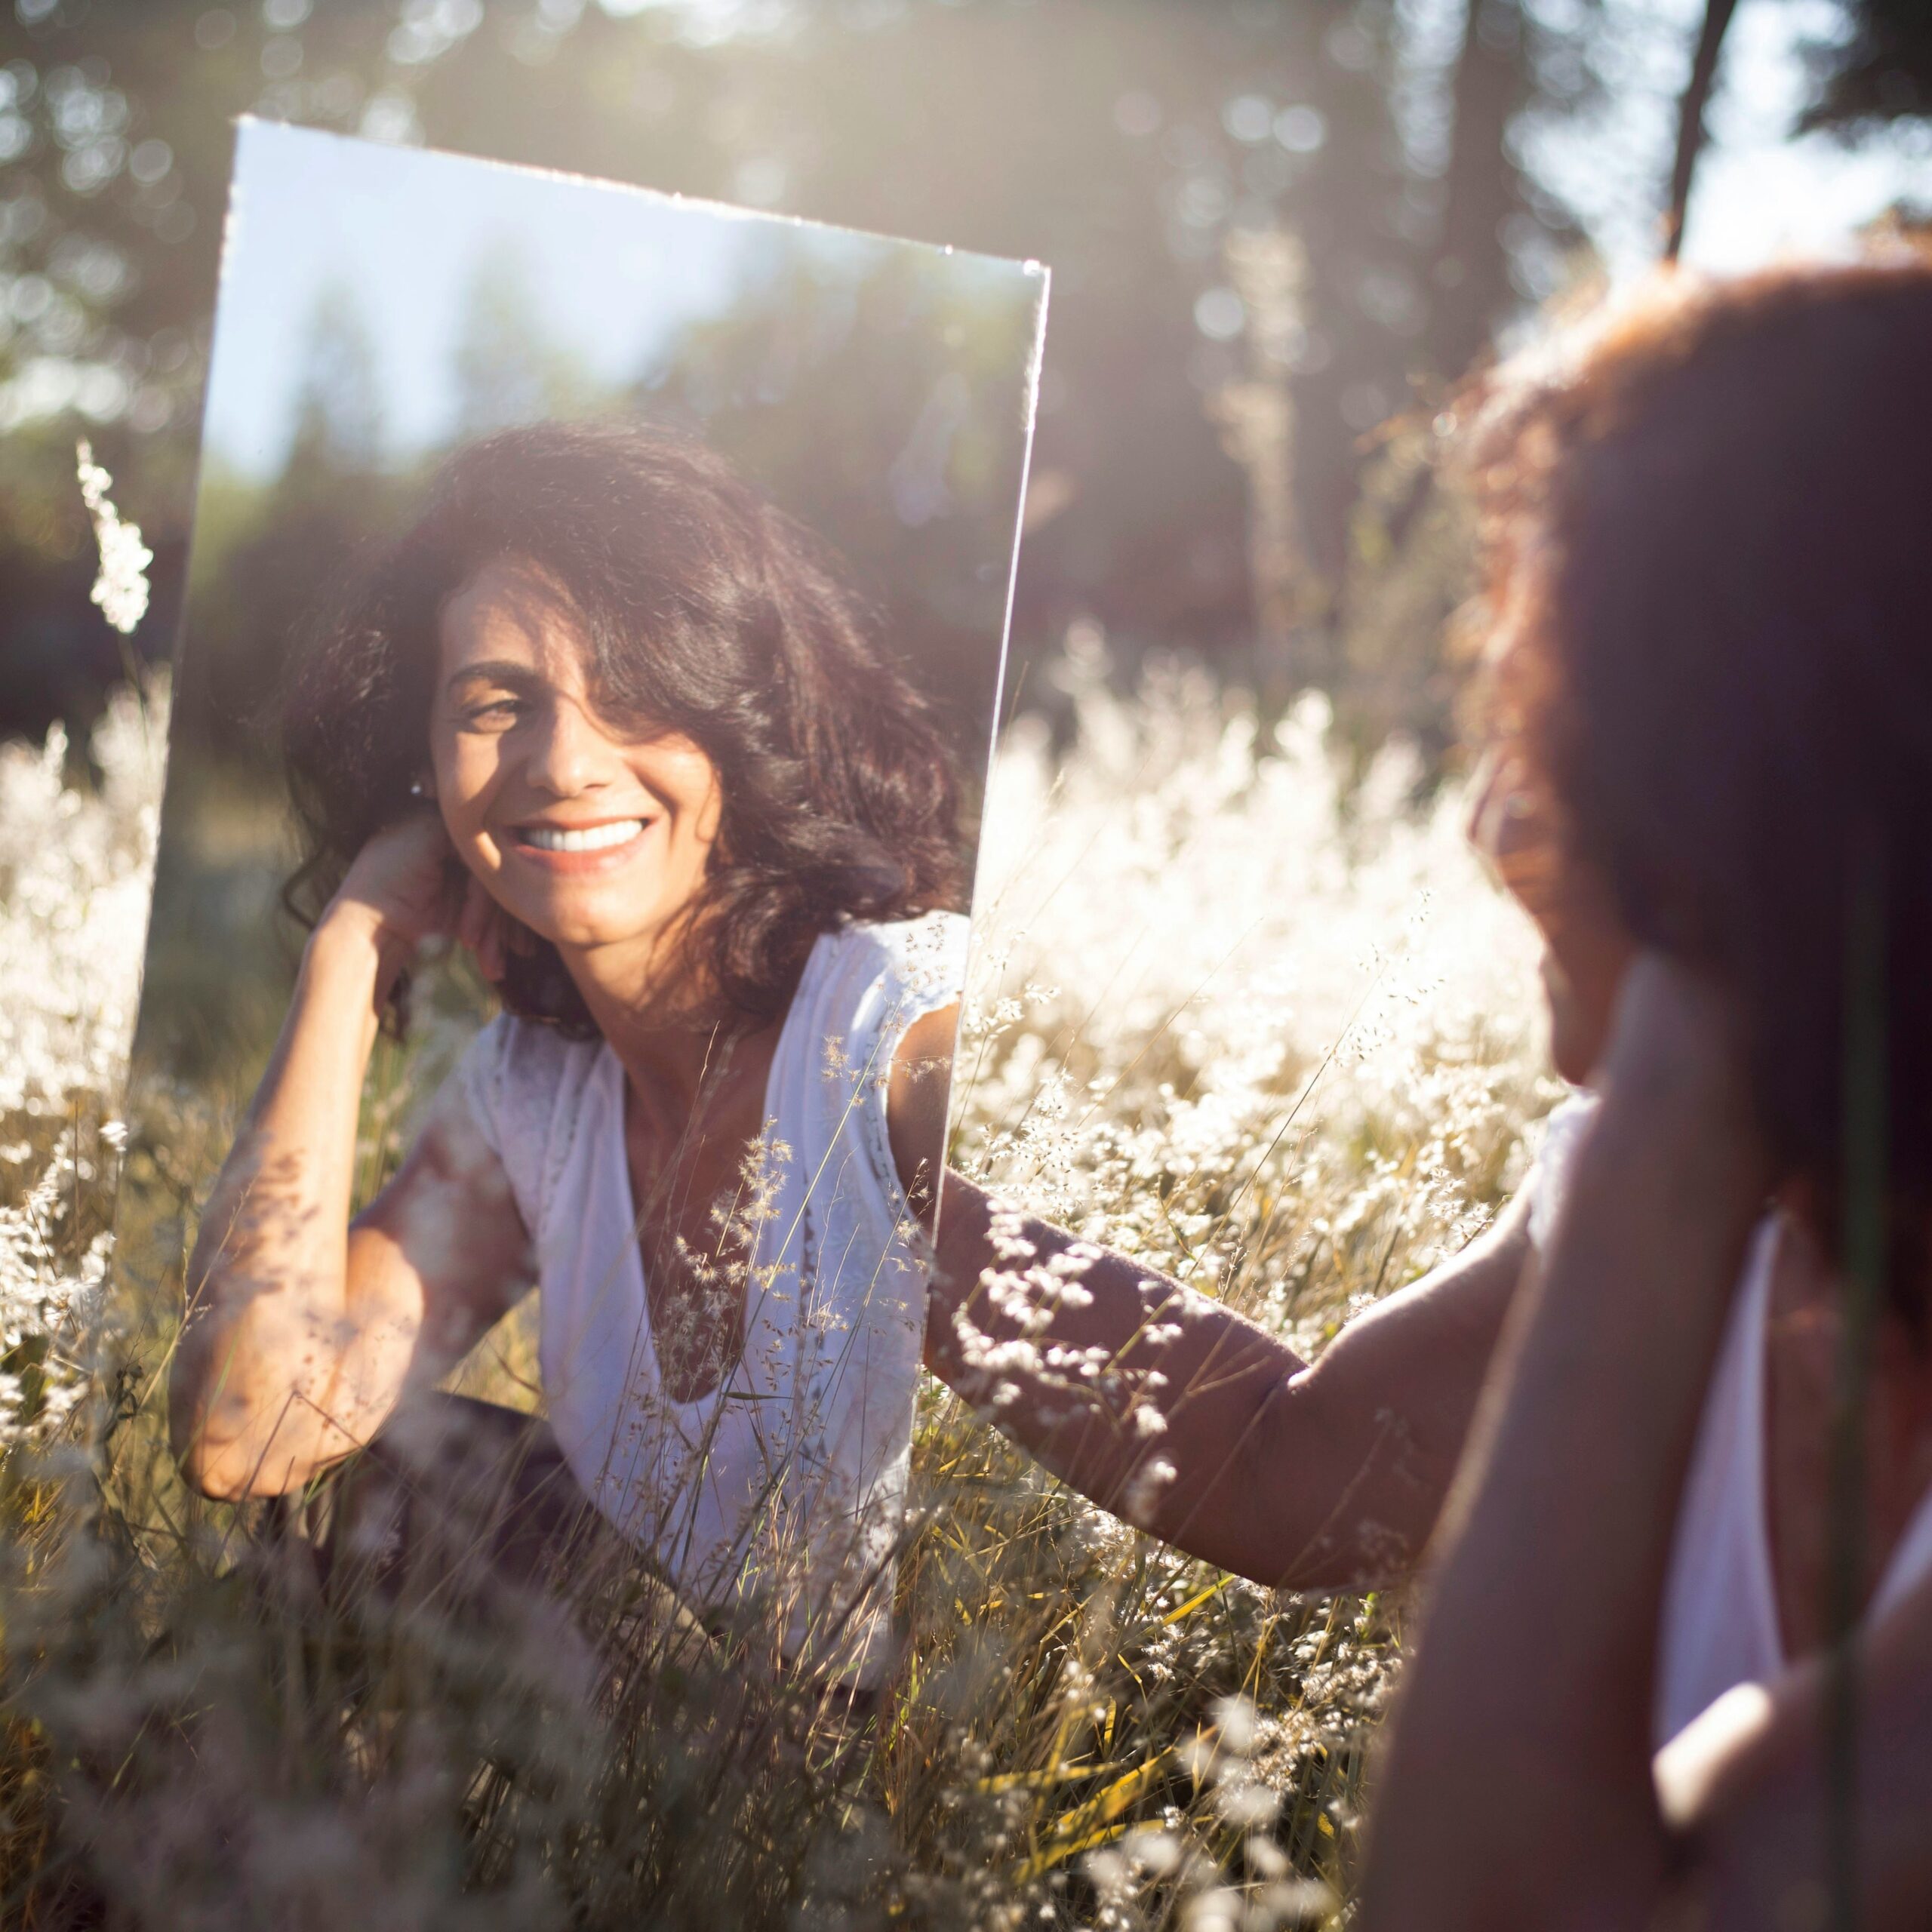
1761	193
612	273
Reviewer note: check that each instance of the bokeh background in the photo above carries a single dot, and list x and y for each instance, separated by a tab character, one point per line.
1280	229
1242	1003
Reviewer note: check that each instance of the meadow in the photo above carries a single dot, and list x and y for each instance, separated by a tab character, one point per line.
1243	1004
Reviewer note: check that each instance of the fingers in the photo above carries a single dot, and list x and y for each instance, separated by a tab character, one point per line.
490	934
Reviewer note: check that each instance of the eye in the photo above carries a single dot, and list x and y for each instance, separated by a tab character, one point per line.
494	713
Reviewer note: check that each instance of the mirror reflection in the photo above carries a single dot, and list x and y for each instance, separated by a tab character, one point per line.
593	652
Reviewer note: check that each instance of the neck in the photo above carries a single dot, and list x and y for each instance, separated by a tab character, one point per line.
671	1030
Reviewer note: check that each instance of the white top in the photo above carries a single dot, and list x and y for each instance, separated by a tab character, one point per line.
783	1488
1718	1620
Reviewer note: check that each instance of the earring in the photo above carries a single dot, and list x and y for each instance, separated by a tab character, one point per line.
421	788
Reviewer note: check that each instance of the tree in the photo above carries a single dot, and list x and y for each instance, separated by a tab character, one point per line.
339	410
1491	85
1690	131
1879	73
1128	143
508	370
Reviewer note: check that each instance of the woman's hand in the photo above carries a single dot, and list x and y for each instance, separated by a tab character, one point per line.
407	886
1540	1638
1676	1070
302	1329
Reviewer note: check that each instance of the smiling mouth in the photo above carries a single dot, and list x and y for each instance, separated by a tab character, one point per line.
587	839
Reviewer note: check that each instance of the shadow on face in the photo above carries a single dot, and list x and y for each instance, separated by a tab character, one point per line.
593	833
1514	826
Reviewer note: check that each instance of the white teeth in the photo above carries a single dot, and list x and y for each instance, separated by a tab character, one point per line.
594	838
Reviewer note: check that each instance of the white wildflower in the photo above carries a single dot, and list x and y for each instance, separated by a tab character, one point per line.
120	588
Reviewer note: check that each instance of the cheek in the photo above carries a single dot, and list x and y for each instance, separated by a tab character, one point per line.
467	771
688	783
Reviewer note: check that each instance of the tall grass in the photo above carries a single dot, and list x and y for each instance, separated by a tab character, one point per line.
1238	1008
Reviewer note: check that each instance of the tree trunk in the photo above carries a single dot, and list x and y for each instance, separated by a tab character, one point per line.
1690	131
1472	272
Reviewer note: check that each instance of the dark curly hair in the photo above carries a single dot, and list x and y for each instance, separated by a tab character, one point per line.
703	608
1709	537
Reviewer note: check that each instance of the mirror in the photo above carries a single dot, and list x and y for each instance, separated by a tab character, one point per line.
592	647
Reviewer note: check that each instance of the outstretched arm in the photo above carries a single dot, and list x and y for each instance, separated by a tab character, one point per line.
1168	1407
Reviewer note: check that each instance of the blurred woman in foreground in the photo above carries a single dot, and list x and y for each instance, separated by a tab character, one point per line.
1706	1452
1710	529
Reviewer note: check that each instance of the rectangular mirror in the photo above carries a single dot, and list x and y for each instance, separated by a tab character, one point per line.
593	642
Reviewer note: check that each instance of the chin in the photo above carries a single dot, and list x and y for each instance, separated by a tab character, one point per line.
583	931
1574	1065
584	925
570	911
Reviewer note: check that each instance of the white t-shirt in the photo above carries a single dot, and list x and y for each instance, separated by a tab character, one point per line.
1717	1630
782	1490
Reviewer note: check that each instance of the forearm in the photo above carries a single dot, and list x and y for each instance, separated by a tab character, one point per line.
1536	1657
1321	1478
272	1361
1751	1791
1112	1375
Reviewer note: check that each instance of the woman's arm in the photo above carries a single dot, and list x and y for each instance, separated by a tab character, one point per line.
1746	1792
1518	1790
1170	1408
301	1332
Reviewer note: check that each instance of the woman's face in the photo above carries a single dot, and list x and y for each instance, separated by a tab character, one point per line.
591	835
1585	947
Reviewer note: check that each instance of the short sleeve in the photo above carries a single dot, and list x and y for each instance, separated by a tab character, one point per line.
925	961
876	981
1548	1182
907	970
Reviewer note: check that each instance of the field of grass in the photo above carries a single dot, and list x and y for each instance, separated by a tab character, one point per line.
1242	1005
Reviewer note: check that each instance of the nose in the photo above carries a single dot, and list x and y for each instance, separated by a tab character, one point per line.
568	756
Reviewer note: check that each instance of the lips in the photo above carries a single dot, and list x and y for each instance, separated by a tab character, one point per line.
587	839
578	848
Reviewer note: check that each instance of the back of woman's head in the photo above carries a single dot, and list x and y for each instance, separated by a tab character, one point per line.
703	609
1710	527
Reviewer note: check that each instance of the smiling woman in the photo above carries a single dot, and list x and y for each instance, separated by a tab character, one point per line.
606	717
564	573
593	849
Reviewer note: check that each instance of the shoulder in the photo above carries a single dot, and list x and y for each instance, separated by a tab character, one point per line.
919	963
858	1030
512	1076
